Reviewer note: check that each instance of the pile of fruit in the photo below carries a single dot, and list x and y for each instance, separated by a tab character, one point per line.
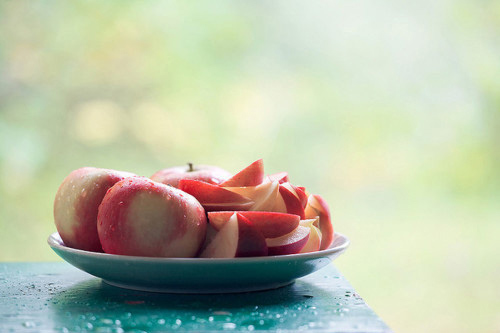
184	212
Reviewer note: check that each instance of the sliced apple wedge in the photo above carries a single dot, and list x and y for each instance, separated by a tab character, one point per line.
292	201
314	242
301	194
290	243
317	207
270	224
213	197
238	238
263	195
280	177
252	175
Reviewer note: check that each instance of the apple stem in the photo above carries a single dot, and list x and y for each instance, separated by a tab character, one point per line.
190	167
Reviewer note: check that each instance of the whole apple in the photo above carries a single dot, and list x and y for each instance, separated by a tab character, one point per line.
76	204
140	217
206	173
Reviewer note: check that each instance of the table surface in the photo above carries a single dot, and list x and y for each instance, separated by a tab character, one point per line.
48	297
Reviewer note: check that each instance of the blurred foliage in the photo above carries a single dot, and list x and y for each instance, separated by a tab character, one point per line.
389	110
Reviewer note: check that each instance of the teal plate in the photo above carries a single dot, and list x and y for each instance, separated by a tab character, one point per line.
198	275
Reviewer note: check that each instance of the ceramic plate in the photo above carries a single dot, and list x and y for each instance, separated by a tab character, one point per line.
198	275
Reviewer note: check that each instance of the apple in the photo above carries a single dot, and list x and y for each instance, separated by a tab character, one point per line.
263	195
317	207
270	224
290	243
280	177
292	202
314	242
252	175
140	217
213	197
238	238
206	173
76	203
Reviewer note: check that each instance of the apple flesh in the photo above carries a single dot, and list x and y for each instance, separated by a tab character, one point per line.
263	195
140	217
292	202
76	204
252	175
317	207
270	224
314	242
290	243
214	197
205	173
280	177
238	238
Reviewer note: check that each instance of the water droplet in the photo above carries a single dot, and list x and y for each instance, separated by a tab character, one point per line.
178	322
29	324
251	327
229	326
161	321
210	319
261	322
89	326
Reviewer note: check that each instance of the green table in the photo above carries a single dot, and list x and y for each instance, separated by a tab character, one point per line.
47	297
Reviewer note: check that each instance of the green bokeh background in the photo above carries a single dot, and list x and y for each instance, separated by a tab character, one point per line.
390	110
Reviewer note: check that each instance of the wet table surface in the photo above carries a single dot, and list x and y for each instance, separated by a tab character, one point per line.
56	297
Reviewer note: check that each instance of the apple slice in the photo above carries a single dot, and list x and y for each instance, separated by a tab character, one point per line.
263	195
301	194
270	224
290	243
292	202
317	207
238	238
280	177
314	242
252	175
279	204
214	197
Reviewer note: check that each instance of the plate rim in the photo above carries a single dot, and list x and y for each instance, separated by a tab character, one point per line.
54	241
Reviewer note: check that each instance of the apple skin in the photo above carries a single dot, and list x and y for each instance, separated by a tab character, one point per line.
280	177
252	175
314	242
140	217
290	243
263	195
270	224
215	197
205	173
237	238
76	203
317	207
292	201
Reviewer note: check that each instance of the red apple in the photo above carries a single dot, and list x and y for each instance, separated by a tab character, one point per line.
290	243
76	204
280	177
140	217
205	173
317	207
252	175
238	238
270	224
214	197
263	195
292	201
301	194
314	242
